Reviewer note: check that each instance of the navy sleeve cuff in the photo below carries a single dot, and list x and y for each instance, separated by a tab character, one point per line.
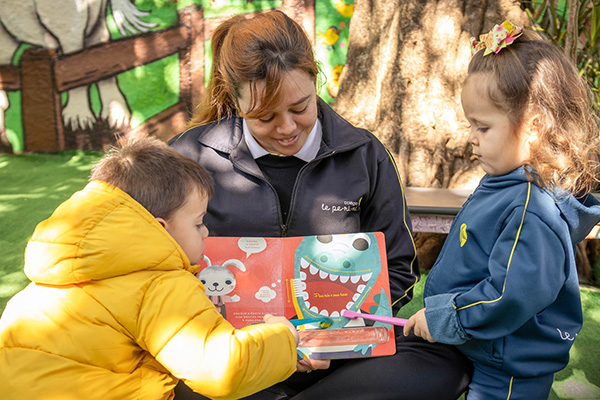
442	319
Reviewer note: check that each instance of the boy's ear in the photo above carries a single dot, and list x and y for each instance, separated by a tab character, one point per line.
162	221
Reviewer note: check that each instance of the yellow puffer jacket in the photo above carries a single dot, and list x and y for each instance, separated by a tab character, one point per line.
115	312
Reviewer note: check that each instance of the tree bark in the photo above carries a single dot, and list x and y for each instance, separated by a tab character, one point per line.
406	62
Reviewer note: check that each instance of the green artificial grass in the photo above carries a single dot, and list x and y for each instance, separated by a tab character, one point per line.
33	185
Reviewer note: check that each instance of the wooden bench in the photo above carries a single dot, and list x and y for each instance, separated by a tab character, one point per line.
433	209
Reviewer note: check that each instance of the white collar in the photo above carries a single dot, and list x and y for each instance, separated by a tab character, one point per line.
307	153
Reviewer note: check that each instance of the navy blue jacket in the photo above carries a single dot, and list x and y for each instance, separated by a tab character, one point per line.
351	186
505	287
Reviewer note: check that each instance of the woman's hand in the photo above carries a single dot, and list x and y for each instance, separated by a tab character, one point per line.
418	322
273	319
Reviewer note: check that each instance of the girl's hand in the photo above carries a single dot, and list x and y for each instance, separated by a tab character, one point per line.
419	324
273	319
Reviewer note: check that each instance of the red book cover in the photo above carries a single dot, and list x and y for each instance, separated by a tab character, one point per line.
305	277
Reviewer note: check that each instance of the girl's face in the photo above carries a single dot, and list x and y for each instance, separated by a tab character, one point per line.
496	144
285	130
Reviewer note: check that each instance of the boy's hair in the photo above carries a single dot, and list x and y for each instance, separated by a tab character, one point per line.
532	77
153	174
248	50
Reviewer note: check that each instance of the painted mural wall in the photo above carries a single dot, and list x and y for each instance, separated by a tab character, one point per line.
78	77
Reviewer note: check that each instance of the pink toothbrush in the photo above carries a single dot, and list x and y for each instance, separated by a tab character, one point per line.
380	318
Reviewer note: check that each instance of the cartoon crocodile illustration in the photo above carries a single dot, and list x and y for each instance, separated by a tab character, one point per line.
333	273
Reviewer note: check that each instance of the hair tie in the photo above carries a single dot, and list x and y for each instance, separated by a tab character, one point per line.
499	37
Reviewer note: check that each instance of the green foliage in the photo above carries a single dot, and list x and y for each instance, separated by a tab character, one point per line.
551	19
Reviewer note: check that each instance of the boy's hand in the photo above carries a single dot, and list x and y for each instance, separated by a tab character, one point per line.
305	365
273	319
419	324
308	365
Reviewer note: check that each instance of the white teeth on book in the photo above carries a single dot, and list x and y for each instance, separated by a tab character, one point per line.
304	264
301	285
325	313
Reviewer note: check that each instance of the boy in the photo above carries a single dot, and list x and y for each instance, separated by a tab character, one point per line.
114	309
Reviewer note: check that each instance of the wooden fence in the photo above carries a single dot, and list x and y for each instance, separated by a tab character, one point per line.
42	75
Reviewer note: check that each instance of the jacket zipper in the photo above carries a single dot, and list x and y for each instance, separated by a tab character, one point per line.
283	227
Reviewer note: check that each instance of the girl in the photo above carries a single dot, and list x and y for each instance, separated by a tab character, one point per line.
504	288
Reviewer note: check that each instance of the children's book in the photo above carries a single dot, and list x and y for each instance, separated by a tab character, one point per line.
305	277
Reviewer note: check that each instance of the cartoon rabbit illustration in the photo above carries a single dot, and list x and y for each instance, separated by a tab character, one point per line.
219	281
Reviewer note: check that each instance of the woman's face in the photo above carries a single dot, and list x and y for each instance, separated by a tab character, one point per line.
285	130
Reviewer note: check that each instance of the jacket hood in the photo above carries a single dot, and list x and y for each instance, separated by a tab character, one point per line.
580	214
99	233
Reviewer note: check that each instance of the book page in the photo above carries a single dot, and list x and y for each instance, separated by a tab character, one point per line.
305	277
244	278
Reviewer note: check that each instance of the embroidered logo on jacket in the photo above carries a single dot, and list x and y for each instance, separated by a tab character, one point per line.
566	335
345	206
463	234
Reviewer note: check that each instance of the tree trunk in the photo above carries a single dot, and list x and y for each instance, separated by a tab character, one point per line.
406	63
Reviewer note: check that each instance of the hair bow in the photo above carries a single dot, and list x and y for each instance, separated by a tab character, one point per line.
499	37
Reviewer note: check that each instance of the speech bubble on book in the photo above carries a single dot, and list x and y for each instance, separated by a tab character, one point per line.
252	245
265	294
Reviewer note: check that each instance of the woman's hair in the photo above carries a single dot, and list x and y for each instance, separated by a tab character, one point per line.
153	174
262	48
530	78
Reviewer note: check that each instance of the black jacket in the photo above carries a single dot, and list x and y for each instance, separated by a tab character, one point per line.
351	186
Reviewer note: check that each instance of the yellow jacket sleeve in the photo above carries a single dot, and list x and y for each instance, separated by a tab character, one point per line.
180	326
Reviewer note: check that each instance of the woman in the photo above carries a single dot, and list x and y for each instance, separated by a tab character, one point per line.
285	164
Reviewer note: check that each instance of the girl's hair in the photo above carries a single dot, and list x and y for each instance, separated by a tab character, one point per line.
153	174
244	50
532	77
